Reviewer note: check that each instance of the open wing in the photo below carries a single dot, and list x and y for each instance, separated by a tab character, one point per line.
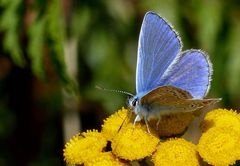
191	72
158	46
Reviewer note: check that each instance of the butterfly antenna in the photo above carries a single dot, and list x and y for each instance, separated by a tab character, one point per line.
113	90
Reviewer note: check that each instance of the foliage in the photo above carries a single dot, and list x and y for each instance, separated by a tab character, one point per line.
45	34
10	22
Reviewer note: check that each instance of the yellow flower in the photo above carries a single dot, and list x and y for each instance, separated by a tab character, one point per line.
112	124
173	124
106	158
176	152
221	118
84	147
219	146
134	142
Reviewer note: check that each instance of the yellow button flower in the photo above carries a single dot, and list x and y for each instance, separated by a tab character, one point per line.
219	146
112	124
134	142
221	118
83	147
105	159
176	152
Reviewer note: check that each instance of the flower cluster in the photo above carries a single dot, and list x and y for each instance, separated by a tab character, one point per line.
120	142
220	141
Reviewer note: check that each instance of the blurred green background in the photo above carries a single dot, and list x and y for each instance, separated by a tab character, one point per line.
53	53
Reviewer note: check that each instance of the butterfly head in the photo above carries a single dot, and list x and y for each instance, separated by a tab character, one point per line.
132	101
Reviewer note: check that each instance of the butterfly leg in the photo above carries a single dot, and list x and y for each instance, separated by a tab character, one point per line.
146	122
158	122
138	118
129	115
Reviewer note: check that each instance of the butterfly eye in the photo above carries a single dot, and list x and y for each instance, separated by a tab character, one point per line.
131	101
134	102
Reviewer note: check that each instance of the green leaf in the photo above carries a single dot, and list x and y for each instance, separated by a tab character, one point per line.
55	37
9	23
37	36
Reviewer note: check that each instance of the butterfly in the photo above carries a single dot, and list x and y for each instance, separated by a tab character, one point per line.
167	79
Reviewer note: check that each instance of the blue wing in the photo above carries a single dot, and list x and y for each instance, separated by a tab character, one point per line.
158	46
191	72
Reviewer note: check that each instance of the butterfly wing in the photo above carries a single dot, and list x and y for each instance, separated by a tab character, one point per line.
164	94
191	72
172	99
158	46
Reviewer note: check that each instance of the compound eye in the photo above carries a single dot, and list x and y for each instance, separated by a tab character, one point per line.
134	102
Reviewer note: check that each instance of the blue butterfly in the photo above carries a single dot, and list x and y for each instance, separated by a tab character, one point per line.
168	80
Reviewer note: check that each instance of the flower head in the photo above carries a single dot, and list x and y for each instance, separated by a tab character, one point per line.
134	142
106	158
113	123
173	124
219	146
221	118
84	147
176	152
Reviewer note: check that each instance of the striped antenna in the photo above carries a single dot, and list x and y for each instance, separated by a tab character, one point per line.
113	90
